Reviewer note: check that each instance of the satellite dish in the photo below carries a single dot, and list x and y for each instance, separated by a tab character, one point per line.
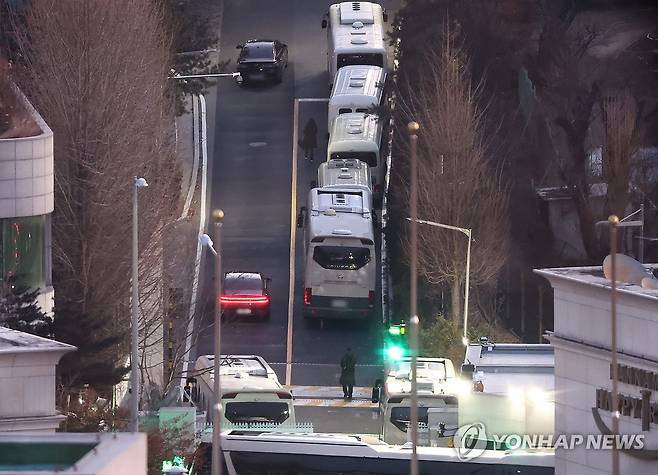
628	270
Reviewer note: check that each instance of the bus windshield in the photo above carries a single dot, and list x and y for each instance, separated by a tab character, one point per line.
400	417
341	257
247	412
360	59
368	157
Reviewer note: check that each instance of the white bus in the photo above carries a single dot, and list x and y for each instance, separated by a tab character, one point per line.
359	136
340	454
340	264
355	36
251	392
437	387
356	89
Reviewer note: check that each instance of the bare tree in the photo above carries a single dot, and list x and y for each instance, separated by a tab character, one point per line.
621	139
457	183
97	71
568	92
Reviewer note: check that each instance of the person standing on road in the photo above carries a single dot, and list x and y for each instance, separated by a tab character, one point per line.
310	141
347	366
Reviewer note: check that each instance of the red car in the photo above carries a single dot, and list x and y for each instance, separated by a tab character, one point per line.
245	293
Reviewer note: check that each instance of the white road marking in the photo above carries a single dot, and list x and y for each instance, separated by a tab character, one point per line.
293	229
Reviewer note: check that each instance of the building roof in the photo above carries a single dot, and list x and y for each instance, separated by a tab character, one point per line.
593	276
14	341
506	365
69	453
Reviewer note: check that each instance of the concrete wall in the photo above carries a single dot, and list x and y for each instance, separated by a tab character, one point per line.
27	384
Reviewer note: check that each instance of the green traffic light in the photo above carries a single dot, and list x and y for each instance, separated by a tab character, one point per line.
394	330
395	352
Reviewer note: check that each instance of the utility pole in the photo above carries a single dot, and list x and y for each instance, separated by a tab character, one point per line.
614	221
134	313
218	216
413	128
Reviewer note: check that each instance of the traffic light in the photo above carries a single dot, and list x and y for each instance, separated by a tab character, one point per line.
395	343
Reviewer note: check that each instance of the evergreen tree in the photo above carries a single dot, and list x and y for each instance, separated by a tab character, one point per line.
97	361
19	310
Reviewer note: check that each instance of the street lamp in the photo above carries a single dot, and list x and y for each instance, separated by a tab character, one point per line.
134	321
469	234
237	76
218	216
413	128
614	222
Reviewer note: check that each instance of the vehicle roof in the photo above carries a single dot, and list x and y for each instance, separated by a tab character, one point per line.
358	85
355	131
356	11
357	26
510	354
355	446
501	366
259	51
243	275
239	372
350	173
256	42
352	217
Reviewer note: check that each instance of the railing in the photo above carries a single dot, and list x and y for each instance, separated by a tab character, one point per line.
286	427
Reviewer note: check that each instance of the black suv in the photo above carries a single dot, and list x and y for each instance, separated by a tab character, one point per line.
262	60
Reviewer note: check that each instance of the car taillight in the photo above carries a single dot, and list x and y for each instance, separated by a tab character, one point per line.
244	299
371	298
307	296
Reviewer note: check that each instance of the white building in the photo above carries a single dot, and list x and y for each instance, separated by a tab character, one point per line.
27	382
105	453
582	342
27	200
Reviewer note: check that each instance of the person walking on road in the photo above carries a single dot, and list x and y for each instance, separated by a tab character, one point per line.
347	366
310	141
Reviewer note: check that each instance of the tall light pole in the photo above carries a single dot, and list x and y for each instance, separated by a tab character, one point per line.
134	317
469	233
218	217
413	128
614	221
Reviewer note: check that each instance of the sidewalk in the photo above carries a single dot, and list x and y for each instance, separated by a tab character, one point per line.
330	396
179	248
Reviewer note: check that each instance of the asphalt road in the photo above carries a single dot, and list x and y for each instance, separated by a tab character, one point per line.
250	132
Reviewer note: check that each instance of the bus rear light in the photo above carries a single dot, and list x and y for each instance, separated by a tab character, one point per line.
371	298
307	295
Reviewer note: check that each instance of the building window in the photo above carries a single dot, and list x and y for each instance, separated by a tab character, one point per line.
23	251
